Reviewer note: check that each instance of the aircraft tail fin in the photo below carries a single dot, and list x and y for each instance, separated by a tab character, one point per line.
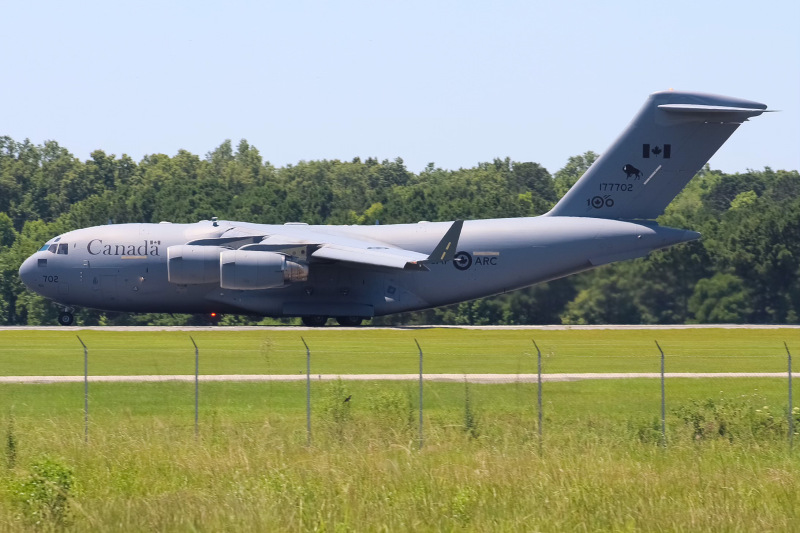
665	145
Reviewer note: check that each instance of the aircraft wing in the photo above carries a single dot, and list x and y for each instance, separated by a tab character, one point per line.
369	255
337	247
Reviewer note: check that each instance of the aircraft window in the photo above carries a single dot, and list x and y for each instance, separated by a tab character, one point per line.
52	248
63	249
44	248
42	262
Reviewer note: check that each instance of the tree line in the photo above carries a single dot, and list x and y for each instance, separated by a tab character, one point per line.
745	269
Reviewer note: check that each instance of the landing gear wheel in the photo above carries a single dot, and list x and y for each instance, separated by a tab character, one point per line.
349	321
65	318
316	321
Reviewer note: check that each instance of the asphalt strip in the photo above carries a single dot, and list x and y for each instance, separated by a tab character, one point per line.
398	328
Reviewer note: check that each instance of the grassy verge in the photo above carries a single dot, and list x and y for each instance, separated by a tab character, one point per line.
600	466
57	352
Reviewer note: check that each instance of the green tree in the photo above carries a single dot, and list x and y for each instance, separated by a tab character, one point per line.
575	168
723	298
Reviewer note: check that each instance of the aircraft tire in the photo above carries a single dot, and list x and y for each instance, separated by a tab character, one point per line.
65	319
349	321
315	321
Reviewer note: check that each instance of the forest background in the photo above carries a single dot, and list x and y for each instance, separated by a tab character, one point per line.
745	269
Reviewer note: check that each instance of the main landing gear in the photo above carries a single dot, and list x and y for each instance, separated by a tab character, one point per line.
317	321
66	318
349	321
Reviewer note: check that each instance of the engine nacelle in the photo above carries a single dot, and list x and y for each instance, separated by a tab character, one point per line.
252	270
193	265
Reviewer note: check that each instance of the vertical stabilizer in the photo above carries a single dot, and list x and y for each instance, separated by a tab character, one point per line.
665	145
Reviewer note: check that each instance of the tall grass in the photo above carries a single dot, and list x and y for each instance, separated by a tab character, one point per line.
250	469
600	467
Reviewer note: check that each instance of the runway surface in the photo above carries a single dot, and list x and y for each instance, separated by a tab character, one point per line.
396	328
472	378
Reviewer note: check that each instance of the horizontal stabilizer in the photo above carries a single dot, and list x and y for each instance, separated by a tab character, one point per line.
697	108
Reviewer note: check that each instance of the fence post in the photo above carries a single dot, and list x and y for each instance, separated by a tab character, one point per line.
85	391
663	401
196	387
791	413
308	392
421	437
539	388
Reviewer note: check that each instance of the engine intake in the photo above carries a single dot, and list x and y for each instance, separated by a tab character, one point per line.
252	270
193	265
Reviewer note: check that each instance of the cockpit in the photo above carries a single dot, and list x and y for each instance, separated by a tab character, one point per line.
58	248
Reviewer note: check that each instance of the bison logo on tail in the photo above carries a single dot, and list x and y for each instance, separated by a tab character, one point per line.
631	171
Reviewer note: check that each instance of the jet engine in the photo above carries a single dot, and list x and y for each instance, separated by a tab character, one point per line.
192	265
252	270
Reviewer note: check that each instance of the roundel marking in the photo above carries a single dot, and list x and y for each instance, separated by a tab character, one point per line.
462	260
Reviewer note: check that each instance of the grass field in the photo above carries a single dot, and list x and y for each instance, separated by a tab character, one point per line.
600	465
368	351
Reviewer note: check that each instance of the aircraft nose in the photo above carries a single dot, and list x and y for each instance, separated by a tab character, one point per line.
28	274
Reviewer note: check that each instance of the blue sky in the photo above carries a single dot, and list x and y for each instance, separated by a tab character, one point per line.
454	83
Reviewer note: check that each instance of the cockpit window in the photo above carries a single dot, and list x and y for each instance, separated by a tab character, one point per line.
55	248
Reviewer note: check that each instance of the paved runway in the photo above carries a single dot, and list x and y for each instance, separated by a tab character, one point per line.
367	328
472	378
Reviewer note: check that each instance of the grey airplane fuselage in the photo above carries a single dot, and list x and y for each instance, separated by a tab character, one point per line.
124	267
357	272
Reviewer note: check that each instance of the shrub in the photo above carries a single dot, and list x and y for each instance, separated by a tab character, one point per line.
44	495
748	416
337	405
394	408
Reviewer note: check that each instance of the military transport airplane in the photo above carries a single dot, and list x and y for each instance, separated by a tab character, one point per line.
353	273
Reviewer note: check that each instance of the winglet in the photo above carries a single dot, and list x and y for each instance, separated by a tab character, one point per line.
446	249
